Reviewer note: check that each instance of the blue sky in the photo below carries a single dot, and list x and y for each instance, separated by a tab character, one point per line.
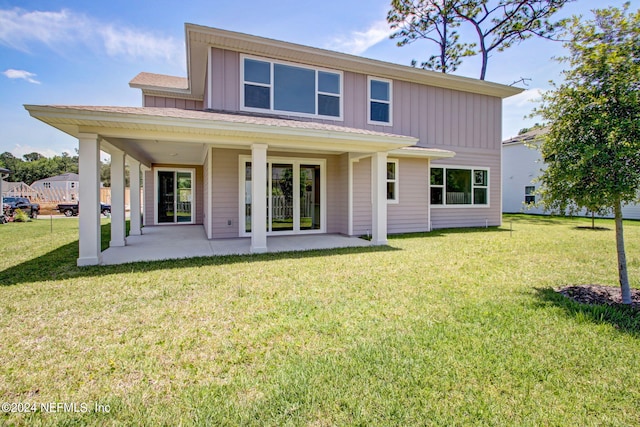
78	52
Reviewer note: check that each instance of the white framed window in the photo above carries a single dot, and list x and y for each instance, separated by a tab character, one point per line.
46	185
379	101
529	196
392	181
283	87
459	186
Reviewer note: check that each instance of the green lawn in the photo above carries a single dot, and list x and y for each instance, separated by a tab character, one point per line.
454	327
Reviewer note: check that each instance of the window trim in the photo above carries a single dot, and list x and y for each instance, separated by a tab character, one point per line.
396	181
531	193
370	100
473	186
271	109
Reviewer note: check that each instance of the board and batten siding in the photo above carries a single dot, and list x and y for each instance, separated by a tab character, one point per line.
150	190
439	117
165	102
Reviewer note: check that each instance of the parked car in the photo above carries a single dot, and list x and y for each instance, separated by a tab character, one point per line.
73	209
22	203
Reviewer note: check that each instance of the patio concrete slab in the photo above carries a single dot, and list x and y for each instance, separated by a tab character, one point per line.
188	241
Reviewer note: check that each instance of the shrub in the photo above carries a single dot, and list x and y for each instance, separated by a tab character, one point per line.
20	216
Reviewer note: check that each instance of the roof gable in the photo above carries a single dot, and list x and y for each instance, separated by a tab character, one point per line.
200	38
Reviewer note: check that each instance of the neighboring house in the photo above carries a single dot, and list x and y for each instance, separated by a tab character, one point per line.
521	165
4	173
18	189
266	138
65	187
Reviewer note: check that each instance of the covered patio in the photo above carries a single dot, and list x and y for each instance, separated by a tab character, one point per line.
188	241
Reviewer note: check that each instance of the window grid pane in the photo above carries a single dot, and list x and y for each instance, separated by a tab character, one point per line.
379	90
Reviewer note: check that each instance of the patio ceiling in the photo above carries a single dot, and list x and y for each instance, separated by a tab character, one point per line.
168	135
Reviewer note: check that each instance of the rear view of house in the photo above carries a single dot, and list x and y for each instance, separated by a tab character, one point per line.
266	138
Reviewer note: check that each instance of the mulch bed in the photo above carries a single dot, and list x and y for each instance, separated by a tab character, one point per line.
598	294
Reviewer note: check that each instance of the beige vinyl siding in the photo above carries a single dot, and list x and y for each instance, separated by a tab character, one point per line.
149	203
164	102
410	214
467	216
206	209
225	192
362	197
438	117
338	194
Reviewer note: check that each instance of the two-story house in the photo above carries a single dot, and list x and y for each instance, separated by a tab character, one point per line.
267	138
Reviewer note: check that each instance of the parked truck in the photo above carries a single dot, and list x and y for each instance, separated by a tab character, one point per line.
22	203
73	209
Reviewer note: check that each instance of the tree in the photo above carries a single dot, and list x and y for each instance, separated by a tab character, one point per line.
498	25
592	150
435	21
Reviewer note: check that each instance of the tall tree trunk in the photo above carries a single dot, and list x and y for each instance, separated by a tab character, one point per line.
622	257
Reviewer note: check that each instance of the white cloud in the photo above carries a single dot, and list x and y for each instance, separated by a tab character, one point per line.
21	150
526	99
21	74
357	42
21	29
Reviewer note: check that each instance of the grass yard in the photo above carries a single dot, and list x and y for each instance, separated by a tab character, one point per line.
454	327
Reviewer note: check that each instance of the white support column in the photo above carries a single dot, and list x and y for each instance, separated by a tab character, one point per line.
117	199
258	198
89	197
379	198
134	196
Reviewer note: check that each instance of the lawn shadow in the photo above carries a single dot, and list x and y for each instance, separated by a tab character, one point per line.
60	263
585	227
624	318
443	232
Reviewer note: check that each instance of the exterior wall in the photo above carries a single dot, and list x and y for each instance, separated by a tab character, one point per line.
469	124
225	190
521	165
362	197
205	193
471	216
439	117
150	189
164	102
411	213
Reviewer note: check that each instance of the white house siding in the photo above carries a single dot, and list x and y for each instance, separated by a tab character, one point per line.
522	164
470	216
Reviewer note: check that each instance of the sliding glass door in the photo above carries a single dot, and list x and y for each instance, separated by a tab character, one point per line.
295	196
174	197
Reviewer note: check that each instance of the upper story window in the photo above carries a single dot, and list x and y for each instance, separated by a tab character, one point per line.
287	88
459	186
379	104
